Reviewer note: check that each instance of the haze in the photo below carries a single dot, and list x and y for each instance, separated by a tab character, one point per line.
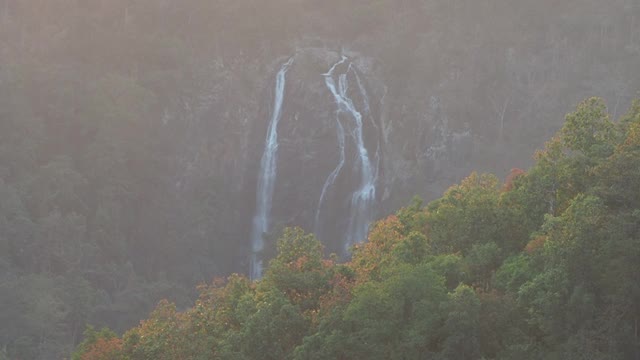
150	146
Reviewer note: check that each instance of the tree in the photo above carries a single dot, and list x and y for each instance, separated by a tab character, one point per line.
372	257
467	214
99	345
588	130
160	337
462	325
299	269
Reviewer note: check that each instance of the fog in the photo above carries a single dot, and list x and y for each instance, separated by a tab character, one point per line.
149	146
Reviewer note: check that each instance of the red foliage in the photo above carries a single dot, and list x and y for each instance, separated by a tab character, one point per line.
299	264
340	293
633	136
103	349
369	258
535	244
514	174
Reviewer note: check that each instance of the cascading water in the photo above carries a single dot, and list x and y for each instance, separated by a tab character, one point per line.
367	111
365	98
328	78
363	198
267	176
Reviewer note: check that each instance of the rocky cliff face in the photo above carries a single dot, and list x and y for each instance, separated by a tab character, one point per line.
132	132
451	87
485	110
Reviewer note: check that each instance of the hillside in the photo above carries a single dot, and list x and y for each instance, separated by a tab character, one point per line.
544	266
137	161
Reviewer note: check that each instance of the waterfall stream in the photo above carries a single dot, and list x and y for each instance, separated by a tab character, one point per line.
363	198
329	81
267	176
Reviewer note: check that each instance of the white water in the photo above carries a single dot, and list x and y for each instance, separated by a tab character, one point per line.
367	112
267	176
363	197
363	93
328	79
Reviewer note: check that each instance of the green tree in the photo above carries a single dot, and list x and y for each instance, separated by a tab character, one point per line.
462	325
465	215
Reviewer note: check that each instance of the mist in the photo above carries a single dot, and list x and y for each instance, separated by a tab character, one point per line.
147	147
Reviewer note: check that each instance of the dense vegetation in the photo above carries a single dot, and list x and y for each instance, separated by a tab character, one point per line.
119	175
544	266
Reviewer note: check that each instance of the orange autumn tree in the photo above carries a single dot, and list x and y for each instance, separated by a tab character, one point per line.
104	349
371	257
161	337
98	345
513	175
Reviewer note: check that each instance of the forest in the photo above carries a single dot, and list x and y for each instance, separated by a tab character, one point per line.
542	266
131	131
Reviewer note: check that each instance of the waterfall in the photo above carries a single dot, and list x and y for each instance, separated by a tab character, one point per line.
363	198
267	176
328	78
365	98
367	111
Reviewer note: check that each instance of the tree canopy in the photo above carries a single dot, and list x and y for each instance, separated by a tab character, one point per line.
543	267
